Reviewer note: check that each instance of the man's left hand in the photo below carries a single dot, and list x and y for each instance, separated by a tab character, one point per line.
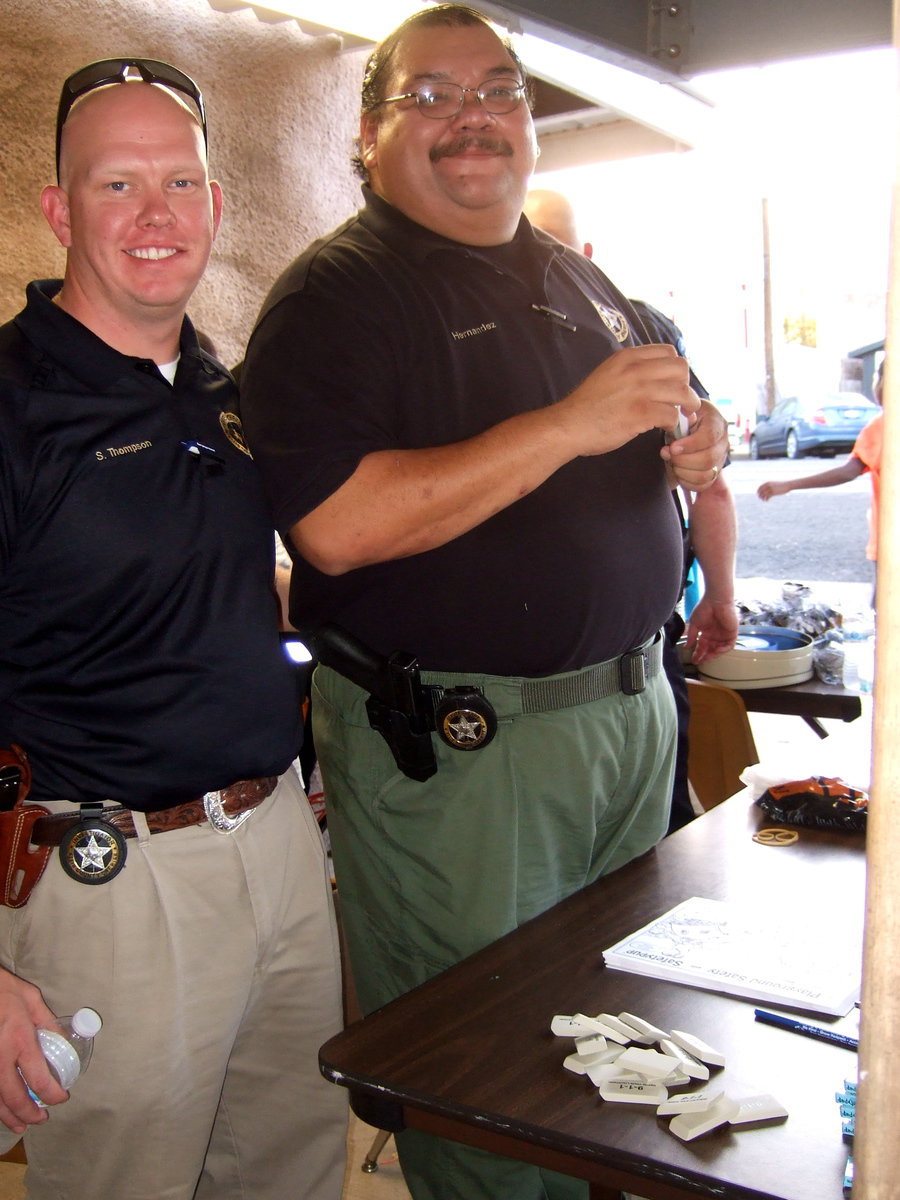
696	459
712	629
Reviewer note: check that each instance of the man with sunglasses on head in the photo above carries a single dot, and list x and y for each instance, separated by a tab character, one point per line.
143	690
465	449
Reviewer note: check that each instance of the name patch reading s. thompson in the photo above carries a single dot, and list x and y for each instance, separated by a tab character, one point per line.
234	431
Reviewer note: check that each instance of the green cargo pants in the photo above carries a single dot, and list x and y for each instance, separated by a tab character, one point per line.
430	872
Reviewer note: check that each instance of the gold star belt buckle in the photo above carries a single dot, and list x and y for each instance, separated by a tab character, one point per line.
465	719
93	851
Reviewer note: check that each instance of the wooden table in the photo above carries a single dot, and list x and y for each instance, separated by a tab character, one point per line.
811	700
469	1056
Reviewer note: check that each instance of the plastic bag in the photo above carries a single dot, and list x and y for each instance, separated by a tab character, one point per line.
820	802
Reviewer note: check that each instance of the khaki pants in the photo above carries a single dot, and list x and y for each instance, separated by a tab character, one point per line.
431	872
213	961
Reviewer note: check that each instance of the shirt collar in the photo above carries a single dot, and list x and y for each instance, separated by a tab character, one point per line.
86	356
417	243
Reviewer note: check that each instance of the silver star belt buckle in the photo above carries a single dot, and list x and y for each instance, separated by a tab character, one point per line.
93	851
219	818
465	719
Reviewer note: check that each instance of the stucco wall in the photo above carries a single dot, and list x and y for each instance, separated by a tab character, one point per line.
282	110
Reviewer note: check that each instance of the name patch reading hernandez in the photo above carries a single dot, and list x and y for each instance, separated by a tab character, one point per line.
116	451
467	333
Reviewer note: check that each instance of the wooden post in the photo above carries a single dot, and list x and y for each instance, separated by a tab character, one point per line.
878	1109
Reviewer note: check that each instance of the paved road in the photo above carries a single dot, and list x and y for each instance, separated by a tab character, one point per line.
813	534
808	536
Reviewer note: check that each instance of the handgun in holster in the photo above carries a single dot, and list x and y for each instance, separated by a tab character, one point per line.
399	707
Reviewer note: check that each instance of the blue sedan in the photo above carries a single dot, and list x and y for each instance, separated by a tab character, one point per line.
824	425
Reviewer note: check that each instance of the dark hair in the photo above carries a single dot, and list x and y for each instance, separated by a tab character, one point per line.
381	60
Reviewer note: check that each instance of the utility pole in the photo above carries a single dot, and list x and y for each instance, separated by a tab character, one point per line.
767	310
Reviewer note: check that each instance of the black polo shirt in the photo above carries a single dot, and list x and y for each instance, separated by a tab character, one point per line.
386	335
140	658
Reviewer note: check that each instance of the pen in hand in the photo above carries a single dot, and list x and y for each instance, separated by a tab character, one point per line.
813	1031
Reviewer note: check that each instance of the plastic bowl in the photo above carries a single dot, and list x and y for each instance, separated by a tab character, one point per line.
764	656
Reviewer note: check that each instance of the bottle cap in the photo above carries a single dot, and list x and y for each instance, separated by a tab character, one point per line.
86	1023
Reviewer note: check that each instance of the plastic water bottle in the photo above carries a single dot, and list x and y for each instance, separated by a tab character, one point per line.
68	1054
850	668
859	661
865	664
859	652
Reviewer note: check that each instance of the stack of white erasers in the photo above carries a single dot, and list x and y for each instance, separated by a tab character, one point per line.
615	1054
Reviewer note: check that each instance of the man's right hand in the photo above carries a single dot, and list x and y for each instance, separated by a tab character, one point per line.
635	390
428	497
22	1013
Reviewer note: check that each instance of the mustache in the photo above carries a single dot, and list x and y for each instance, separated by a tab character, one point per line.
460	145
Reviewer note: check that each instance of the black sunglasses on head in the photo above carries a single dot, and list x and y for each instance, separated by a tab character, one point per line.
115	70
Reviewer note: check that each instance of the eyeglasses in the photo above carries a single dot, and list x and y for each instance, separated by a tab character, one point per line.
115	70
442	100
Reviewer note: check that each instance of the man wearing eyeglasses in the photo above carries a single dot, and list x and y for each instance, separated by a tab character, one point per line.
465	448
183	890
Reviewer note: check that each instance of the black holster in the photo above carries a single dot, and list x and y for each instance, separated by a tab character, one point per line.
399	706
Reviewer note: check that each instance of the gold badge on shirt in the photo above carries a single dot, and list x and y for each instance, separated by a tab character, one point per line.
234	431
613	320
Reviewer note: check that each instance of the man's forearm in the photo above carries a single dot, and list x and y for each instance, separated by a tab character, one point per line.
403	502
713	525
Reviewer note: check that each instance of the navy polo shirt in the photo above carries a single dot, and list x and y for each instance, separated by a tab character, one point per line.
140	658
386	335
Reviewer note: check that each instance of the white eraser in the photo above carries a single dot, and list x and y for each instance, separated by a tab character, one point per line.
610	1054
591	1024
626	1031
690	1125
758	1108
564	1026
582	1063
643	1027
608	1031
602	1073
689	1102
627	1091
649	1063
689	1064
578	1064
699	1049
594	1043
676	1079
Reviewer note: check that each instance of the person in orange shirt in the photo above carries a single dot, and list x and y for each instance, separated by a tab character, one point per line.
865	456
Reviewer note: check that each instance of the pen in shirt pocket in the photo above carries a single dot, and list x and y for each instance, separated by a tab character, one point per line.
204	452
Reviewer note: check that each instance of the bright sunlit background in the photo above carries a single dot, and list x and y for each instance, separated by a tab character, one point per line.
814	138
684	231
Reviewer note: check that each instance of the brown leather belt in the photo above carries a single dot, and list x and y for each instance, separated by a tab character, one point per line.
246	794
